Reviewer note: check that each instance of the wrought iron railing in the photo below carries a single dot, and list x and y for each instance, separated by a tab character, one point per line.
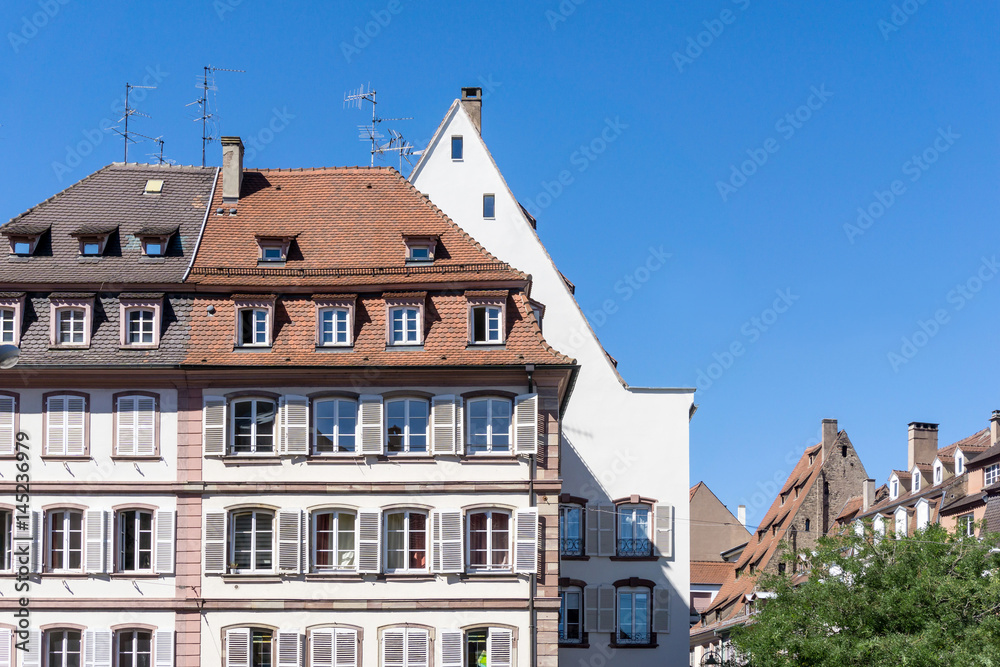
635	547
571	546
633	637
571	635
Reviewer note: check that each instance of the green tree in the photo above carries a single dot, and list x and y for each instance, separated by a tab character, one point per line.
929	600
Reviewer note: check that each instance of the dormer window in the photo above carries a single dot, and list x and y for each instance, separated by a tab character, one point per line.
420	249
938	473
486	317
916	482
11	308
959	463
273	249
405	318
254	321
71	318
155	238
140	316
335	320
93	238
23	236
894	488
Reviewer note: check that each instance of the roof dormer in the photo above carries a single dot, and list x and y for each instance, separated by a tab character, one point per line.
24	237
155	239
273	249
420	249
959	462
93	238
941	471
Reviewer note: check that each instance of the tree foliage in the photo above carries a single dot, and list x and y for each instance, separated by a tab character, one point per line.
929	600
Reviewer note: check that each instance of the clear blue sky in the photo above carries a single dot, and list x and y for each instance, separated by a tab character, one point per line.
883	90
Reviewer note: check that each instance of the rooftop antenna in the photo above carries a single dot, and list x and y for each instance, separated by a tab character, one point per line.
370	133
156	140
129	111
207	83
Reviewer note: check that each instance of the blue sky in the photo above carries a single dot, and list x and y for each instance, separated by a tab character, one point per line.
747	137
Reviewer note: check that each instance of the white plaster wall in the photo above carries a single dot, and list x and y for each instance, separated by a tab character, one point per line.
98	620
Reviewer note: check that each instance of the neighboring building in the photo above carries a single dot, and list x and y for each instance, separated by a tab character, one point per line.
624	569
714	531
805	509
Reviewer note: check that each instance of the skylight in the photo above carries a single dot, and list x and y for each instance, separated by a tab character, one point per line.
153	187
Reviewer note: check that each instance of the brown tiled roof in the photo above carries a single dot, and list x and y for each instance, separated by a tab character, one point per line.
710	572
94	228
109	198
851	507
966	503
156	229
24	226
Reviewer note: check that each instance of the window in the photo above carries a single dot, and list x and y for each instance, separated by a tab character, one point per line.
489	425
65	541
633	616
967	525
6	540
456	148
959	464
419	254
489	206
406	425
90	248
72	322
134	648
483	646
7	325
938	473
63	648
916	482
633	531
571	530
489	540
140	327
252	541
273	249
334	647
152	248
570	616
253	327
154	186
901	521
249	647
271	254
991	474
66	428
405	647
807	525
253	426
333	541
420	249
406	541
336	422
487	324
334	326
405	329
22	247
894	488
135	541
135	428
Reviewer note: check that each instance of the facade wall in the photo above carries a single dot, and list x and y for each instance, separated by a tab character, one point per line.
714	529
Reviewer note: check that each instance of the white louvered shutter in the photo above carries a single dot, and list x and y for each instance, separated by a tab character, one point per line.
294	425
606	608
165	544
109	550
76	416
238	647
606	530
394	648
321	648
215	543
346	648
214	426
417	648
501	648
369	543
370	424
526	542
663	521
526	424
289	648
6	648
452	647
97	648
145	425
55	434
447	552
290	540
127	438
36	542
459	425
590	609
444	433
661	609
8	412
163	648
33	656
95	525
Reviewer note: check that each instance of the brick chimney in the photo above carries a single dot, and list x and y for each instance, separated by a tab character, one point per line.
472	102
995	427
923	444
829	435
232	169
867	494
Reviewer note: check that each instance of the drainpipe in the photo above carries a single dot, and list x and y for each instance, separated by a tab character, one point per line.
532	626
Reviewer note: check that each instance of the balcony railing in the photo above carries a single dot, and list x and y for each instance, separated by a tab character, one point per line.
571	546
632	637
635	548
571	635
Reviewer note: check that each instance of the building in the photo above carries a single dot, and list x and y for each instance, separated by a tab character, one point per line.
714	531
624	568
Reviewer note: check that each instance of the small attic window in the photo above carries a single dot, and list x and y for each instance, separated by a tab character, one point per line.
153	187
90	247
456	147
273	249
22	247
420	249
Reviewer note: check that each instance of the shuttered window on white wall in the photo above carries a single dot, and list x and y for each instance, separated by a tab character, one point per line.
447	546
136	426
452	645
8	434
294	425
405	647
96	648
65	427
333	647
289	648
163	649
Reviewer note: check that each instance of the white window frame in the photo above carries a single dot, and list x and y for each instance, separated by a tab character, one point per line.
564	536
967	525
490	566
314	542
120	525
415	243
146	320
417	318
894	488
255	400
632	591
14	304
407	514
938	473
152	429
251	630
76	316
134	653
490	447
58	305
254	530
496	308
959	463
991	474
632	510
65	548
342	319
260	321
564	605
337	434
62	448
45	658
8	325
915	482
407	401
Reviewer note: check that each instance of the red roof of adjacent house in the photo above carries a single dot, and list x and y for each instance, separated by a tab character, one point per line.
711	572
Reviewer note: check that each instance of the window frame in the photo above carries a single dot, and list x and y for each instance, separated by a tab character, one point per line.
232	567
335	306
46	426
231	425
407	401
938	473
915	481
567	543
46	653
31	239
336	434
135	653
129	305
617	638
959	463
407	548
487	304
256	304
461	148
7	536
894	488
314	566
564	591
66	550
120	545
428	243
989	471
489	568
633	550
492	198
60	305
116	400
394	304
966	524
15	305
252	630
86	240
472	448
280	243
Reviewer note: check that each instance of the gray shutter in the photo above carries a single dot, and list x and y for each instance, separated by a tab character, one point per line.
606	515
165	522
96	541
452	648
289	648
289	540
664	526
661	609
592	535
606	608
163	648
294	429
8	437
97	648
33	656
501	648
444	434
447	552
590	609
238	647
526	542
370	424
417	648
215	544
526	424
369	542
214	426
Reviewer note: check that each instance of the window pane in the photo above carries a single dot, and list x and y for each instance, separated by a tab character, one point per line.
265	426
501	539
418	541
395	424
75	540
323	540
145	540
500	424
260	650
345	540
246	326
625	615
395	545
243	426
346	423
22	248
325	416
153	249
242	539
477	539
91	248
479	325
260	327
456	148
263	541
128	541
418	426
489	206
478	424
7	326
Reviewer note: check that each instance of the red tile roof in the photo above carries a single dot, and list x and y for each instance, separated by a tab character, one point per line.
710	572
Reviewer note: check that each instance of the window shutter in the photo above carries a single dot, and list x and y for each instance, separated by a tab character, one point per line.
214	426
459	425
606	608
452	645
290	540
346	648
289	648
661	609
417	647
75	427
145	425
664	523
592	536
127	437
370	423
97	648
8	410
444	435
109	550
526	545
28	532
215	544
33	656
606	515
294	425
526	424
96	541
501	648
238	647
6	648
55	415
447	552
590	609
165	521
321	648
369	532
163	648
393	648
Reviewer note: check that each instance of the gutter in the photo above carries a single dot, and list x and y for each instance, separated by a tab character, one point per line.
201	234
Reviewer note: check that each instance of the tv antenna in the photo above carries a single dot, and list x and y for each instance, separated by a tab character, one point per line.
129	111
207	83
370	133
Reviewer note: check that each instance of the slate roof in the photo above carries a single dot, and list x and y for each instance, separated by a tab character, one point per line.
112	199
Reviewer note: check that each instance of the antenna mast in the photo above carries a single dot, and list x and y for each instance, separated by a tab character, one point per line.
129	111
370	133
207	83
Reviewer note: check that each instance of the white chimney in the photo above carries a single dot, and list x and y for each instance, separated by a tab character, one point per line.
995	427
472	102
232	169
741	514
